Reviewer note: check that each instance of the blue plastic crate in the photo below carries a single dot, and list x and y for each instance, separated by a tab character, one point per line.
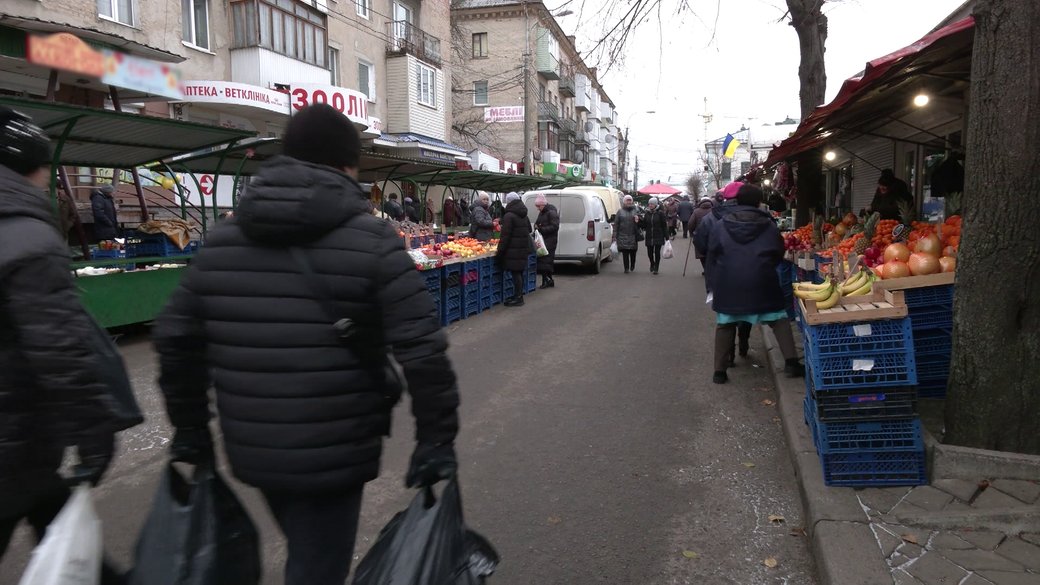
932	342
852	437
532	261
859	405
840	372
139	245
432	279
931	318
875	468
933	367
451	310
531	283
932	388
859	339
929	296
451	276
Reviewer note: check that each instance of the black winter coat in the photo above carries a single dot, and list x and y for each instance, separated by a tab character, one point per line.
106	223
685	211
655	227
704	209
300	412
51	395
548	224
744	249
515	246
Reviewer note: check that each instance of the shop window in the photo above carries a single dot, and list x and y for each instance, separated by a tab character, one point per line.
426	85
480	45
367	80
117	10
287	27
362	7
334	75
480	93
195	22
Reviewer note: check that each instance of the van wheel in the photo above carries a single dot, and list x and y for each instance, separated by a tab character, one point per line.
597	263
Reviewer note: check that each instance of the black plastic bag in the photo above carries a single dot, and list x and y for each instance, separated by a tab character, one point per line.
428	544
112	372
197	533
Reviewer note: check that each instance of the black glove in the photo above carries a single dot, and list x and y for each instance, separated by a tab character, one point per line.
95	455
430	464
192	445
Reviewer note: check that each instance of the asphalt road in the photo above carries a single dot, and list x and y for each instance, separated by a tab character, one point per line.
594	447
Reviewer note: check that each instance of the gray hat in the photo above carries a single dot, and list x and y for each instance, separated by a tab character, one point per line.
653	201
108	189
512	196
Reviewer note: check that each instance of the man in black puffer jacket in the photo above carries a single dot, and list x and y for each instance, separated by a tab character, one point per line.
303	413
51	393
515	246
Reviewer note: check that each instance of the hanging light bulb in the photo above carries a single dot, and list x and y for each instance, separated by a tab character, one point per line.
830	155
921	100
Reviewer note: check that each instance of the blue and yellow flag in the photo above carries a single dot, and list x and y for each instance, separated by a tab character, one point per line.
729	146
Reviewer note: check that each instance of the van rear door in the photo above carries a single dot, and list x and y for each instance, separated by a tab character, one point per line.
573	225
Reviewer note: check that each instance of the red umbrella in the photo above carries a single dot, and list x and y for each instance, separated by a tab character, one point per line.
659	189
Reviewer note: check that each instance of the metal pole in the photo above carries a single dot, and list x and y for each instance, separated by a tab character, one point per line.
528	161
687	263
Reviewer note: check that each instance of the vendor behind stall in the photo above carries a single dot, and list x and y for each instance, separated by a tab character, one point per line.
106	224
890	192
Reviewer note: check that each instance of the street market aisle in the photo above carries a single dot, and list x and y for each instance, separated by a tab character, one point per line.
594	447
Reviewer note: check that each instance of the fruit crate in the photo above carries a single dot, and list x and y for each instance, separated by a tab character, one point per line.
432	280
875	468
933	367
930	296
932	388
878	305
496	285
530	281
852	437
98	254
933	342
451	310
863	371
140	245
857	405
856	339
931	318
507	286
452	276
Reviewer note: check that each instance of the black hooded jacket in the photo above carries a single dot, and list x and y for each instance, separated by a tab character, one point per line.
743	251
515	246
300	412
50	392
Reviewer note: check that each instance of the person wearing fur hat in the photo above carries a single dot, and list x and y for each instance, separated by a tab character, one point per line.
515	246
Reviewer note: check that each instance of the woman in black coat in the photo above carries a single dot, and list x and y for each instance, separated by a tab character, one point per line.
744	249
547	224
515	246
655	223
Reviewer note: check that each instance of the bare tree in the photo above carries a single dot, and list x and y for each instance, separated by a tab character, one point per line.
713	167
694	185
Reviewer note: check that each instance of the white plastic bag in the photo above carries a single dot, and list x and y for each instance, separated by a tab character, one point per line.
613	250
666	251
539	244
70	552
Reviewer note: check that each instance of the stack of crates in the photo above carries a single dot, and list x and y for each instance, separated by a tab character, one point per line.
861	402
470	288
433	286
99	254
787	272
487	288
141	245
451	294
496	284
531	274
931	312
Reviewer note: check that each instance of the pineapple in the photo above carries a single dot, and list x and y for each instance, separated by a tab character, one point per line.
817	232
868	233
907	214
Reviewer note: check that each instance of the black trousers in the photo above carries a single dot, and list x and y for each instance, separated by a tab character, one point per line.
320	532
51	500
629	258
654	253
685	229
518	284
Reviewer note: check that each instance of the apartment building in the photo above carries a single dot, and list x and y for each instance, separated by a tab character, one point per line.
250	63
549	108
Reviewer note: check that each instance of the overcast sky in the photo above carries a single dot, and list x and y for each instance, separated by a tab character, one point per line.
748	72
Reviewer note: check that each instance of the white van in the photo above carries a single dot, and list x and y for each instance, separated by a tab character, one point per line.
611	197
585	228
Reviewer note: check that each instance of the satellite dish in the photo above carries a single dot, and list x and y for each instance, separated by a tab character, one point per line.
579	157
483	166
589	126
611	139
537	155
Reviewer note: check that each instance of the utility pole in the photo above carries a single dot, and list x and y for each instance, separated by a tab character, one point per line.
528	162
635	177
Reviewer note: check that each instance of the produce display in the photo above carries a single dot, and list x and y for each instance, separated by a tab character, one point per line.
828	293
411	229
459	248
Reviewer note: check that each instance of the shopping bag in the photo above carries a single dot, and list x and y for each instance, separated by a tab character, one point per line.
428	544
613	250
539	244
666	251
70	552
197	533
111	370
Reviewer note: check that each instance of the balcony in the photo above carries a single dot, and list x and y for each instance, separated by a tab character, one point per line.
567	125
548	66
405	38
567	85
548	112
581	139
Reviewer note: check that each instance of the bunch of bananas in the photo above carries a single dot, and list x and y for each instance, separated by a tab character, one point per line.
828	293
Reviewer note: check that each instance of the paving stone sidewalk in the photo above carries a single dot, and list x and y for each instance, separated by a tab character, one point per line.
977	523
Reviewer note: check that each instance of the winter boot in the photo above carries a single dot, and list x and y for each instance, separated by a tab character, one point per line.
793	368
552	281
545	281
720	377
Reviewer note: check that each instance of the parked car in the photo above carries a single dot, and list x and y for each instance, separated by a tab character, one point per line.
611	197
585	226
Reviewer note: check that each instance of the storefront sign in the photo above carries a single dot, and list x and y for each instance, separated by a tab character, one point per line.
237	94
438	156
353	104
504	114
68	52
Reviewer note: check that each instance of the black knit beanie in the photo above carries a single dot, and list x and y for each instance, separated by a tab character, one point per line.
749	195
24	147
319	134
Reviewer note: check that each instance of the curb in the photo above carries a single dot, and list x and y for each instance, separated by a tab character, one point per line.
843	544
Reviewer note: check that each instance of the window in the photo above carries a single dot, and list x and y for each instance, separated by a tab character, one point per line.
195	22
117	10
727	171
426	85
745	166
362	7
403	22
288	27
480	45
334	75
367	80
480	93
